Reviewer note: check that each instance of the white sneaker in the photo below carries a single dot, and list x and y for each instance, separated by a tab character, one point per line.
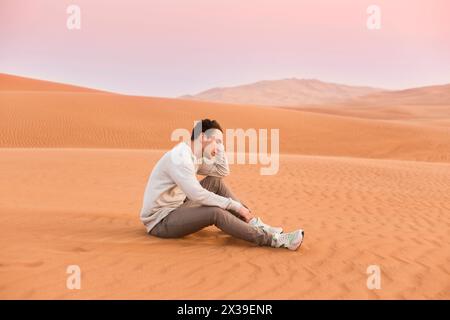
257	222
291	240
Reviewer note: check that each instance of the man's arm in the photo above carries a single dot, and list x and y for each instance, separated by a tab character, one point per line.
184	176
220	166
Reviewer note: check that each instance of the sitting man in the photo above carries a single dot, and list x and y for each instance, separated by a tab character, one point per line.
177	204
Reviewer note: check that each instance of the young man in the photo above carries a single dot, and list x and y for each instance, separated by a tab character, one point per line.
177	204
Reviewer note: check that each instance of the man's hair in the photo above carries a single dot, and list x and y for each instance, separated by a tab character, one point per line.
203	126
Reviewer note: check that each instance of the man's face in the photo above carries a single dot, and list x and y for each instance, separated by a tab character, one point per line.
210	140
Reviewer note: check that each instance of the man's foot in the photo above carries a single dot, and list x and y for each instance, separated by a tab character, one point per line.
291	240
257	222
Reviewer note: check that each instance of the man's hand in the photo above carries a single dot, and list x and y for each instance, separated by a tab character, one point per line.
245	214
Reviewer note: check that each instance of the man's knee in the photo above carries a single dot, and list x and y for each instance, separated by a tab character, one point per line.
211	179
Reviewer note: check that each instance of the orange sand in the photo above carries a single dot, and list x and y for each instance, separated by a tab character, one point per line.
73	167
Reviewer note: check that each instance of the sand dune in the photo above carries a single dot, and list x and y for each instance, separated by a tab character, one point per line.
312	93
74	164
75	206
430	105
16	83
425	105
285	92
430	95
427	115
88	120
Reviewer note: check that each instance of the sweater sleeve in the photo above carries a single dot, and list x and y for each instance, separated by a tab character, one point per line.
219	168
184	176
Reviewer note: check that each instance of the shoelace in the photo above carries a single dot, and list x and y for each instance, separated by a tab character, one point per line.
285	237
259	224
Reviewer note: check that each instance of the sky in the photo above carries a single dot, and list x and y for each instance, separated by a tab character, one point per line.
169	48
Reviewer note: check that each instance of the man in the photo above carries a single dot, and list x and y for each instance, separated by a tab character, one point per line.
177	204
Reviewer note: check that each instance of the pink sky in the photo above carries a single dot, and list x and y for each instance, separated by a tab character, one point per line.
175	47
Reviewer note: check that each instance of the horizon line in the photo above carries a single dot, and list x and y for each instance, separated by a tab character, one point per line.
113	91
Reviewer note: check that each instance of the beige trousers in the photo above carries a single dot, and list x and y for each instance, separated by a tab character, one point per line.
191	217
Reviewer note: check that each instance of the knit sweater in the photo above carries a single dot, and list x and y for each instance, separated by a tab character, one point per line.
174	178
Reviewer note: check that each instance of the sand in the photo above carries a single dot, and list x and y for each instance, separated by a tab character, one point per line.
73	167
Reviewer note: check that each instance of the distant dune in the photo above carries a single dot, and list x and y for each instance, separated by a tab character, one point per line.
430	95
427	105
286	92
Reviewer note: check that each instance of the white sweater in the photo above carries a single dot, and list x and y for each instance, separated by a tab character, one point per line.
174	178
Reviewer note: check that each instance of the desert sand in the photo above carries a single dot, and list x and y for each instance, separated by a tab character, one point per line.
368	190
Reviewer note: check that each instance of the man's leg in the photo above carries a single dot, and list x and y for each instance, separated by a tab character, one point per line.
218	186
186	220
